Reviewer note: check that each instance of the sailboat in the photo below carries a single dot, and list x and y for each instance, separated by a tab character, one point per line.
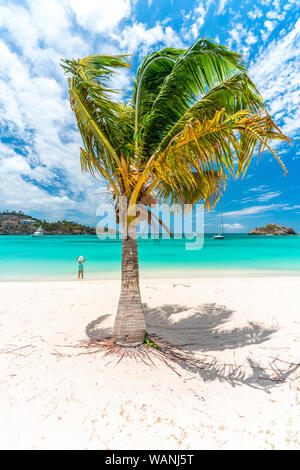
38	233
220	235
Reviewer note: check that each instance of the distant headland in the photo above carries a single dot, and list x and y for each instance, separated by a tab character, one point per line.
272	229
18	223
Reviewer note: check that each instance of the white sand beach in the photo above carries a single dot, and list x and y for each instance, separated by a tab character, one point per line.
244	395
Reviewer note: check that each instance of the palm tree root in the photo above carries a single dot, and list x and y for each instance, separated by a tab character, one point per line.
172	355
154	350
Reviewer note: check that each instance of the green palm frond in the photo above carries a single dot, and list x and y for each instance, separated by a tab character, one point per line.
198	70
235	94
106	126
152	72
211	148
205	188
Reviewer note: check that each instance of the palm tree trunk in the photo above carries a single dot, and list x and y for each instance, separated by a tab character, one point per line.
129	327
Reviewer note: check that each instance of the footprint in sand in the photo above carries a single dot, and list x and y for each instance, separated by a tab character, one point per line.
181	285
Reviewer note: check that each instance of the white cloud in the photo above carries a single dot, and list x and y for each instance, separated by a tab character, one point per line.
26	188
200	13
275	15
197	16
253	210
17	192
289	4
139	37
100	15
239	35
256	13
291	208
221	7
276	75
194	30
264	195
258	188
268	196
270	25
264	34
234	226
35	108
42	32
251	38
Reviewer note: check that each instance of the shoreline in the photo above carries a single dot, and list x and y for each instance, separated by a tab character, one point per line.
164	275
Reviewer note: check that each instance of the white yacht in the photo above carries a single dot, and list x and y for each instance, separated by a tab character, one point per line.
220	235
38	233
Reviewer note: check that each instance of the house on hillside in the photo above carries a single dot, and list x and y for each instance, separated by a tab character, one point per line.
26	221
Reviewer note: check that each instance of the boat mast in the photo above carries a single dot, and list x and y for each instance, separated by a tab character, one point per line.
221	226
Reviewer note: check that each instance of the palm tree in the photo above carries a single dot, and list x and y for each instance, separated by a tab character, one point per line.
194	119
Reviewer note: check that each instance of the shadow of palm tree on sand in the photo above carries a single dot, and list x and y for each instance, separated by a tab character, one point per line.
201	331
95	332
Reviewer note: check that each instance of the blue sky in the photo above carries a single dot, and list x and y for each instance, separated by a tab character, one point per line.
39	145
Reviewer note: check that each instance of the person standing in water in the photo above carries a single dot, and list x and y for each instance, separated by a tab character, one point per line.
80	260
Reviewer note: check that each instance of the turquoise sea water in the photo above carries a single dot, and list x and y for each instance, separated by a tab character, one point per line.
53	257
